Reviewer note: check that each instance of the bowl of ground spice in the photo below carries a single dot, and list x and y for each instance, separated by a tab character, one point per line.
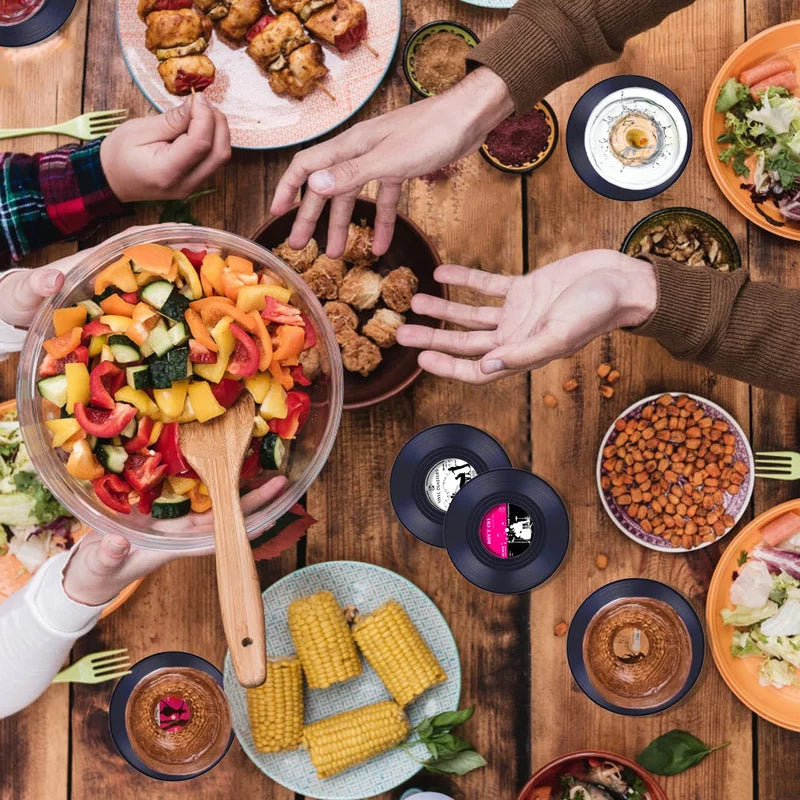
523	142
435	56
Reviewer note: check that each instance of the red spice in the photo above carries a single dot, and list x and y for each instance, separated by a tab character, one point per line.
518	140
12	12
443	173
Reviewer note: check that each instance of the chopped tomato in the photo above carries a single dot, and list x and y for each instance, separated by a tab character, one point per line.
168	445
144	471
350	39
142	438
113	491
56	366
299	406
185	81
146	500
195	256
244	359
130	297
227	391
200	354
259	26
171	5
60	346
298	376
105	380
283	313
104	423
94	328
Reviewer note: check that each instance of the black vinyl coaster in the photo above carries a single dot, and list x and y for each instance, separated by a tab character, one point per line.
507	531
51	17
432	468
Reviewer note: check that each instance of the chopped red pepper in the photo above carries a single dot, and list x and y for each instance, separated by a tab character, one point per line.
298	376
104	423
144	471
227	391
349	39
55	366
105	380
113	491
185	81
130	297
245	356
200	354
142	436
299	406
170	5
311	334
251	464
146	500
282	313
168	445
195	256
94	328
259	26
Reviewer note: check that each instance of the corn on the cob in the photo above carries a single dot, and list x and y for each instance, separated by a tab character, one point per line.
395	650
323	640
344	740
276	707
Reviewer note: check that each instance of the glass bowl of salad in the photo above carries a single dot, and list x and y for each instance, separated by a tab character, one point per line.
159	327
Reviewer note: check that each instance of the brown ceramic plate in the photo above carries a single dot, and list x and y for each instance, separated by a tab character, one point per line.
411	248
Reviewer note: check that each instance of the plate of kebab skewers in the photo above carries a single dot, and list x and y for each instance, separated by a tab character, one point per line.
283	71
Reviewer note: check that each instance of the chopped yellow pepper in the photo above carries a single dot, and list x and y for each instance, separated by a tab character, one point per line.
117	323
189	274
274	405
118	274
258	385
96	345
181	485
226	342
156	432
204	403
62	429
77	385
170	401
253	298
138	398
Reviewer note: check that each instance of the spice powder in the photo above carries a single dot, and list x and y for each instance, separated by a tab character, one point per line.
440	61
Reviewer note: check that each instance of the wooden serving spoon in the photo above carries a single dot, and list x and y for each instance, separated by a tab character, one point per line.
215	450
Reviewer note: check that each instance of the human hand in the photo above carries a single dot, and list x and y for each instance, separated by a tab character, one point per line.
405	143
166	157
548	314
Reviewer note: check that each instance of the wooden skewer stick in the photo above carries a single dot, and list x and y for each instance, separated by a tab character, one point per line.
371	50
332	97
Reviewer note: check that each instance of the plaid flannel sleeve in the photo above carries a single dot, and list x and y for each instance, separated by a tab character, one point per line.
50	196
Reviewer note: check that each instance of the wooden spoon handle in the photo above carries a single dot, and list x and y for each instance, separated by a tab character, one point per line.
239	590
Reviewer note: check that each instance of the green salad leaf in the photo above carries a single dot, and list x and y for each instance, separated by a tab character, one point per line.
179	210
745	616
730	94
674	752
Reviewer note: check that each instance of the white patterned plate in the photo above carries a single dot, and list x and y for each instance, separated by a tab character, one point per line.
491	3
366	586
258	118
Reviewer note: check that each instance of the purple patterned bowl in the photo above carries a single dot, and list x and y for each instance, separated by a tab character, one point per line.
735	505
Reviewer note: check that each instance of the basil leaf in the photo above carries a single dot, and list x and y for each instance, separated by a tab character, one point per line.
424	729
459	764
450	742
674	752
450	719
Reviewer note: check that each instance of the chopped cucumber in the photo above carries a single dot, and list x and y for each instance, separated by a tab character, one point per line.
138	377
175	306
179	333
158	339
107	292
125	351
111	457
156	293
54	389
159	374
171	506
92	309
272	451
178	363
130	429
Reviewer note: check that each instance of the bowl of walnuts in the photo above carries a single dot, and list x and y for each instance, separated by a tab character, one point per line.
365	297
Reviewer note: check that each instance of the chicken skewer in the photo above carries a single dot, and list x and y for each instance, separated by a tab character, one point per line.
242	14
342	23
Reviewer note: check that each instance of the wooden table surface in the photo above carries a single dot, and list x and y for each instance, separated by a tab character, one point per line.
529	710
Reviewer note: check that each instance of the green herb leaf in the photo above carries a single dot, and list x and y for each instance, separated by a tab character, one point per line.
451	719
742	558
459	764
674	752
180	210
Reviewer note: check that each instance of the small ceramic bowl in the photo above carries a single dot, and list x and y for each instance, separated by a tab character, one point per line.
537	159
419	36
547	776
728	249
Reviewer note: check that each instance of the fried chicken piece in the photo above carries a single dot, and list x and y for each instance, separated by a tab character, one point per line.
241	15
382	327
343	24
398	287
181	29
324	277
282	36
303	8
358	248
359	354
311	362
181	75
214	9
147	6
298	260
342	318
361	288
304	67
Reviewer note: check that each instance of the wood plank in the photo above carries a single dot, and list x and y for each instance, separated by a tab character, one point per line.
566	439
35	742
775	260
491	630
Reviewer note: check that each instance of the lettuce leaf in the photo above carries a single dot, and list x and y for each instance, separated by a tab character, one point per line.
744	616
777	673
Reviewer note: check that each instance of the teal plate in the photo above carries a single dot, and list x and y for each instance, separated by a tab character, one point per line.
366	586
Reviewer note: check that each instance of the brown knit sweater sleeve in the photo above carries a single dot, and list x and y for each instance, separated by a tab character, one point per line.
728	323
545	43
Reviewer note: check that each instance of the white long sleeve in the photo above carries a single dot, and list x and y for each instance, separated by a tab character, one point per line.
38	626
11	338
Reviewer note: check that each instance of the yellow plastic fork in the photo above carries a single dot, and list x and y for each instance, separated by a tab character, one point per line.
783	465
87	126
96	668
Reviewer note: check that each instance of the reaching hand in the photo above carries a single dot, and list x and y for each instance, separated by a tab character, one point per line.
550	313
167	156
405	143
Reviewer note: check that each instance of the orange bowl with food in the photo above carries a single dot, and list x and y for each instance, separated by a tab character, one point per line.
161	327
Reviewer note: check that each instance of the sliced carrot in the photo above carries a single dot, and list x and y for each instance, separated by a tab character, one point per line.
212	267
783	80
204	302
239	264
772	66
262	335
119	275
65	319
290	340
199	330
60	346
114	304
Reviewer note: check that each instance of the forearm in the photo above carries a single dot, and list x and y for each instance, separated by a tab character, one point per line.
51	196
723	321
38	626
544	44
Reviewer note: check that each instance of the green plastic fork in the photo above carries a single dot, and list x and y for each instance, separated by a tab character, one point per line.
782	465
96	668
93	125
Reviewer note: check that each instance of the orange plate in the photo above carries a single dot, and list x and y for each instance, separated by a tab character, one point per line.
10	578
783	39
779	706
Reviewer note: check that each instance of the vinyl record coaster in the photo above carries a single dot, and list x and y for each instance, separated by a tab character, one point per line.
25	22
169	717
635	647
507	531
432	468
629	137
